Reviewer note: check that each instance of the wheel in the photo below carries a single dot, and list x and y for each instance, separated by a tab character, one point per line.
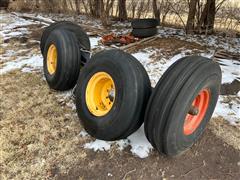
82	37
181	104
143	33
111	95
144	23
62	60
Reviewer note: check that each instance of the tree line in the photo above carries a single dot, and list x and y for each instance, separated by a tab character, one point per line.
195	16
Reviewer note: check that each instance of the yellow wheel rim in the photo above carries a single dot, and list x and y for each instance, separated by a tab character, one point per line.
52	59
100	94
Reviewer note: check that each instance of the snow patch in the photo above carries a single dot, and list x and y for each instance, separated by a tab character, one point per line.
228	107
83	134
44	18
109	174
122	144
13	26
33	63
137	141
230	44
139	144
156	68
94	42
98	145
230	70
66	98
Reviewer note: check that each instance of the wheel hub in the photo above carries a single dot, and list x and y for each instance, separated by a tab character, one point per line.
52	59
100	94
196	112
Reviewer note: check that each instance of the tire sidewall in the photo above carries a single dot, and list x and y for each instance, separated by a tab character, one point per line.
55	40
144	23
174	139
165	96
115	121
142	33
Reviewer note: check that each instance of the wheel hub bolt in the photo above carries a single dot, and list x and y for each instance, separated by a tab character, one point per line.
111	95
193	111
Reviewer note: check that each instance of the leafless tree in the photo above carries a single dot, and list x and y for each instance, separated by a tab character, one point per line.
122	10
77	4
191	16
132	7
156	9
105	11
196	16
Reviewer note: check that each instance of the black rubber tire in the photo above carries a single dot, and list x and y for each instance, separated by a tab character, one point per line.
144	23
143	33
68	60
132	92
82	37
171	99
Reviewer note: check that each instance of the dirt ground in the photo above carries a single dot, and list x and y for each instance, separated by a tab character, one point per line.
39	134
169	47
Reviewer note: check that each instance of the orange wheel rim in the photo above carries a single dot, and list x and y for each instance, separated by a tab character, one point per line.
197	112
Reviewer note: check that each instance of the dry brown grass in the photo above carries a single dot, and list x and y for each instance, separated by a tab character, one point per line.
37	135
229	134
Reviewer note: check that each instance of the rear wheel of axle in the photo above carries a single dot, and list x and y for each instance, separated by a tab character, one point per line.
182	103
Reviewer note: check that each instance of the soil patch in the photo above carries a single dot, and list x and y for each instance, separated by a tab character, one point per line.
230	88
170	46
36	31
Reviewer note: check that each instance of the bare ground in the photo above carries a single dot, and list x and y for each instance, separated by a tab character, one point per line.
169	47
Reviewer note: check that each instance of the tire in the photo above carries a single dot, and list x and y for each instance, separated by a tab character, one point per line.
144	23
132	89
82	37
67	61
168	108
143	33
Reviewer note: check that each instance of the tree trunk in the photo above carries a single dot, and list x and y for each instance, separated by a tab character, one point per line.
211	17
156	10
77	4
122	10
103	15
37	4
206	22
95	8
104	10
191	16
64	6
87	8
140	8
